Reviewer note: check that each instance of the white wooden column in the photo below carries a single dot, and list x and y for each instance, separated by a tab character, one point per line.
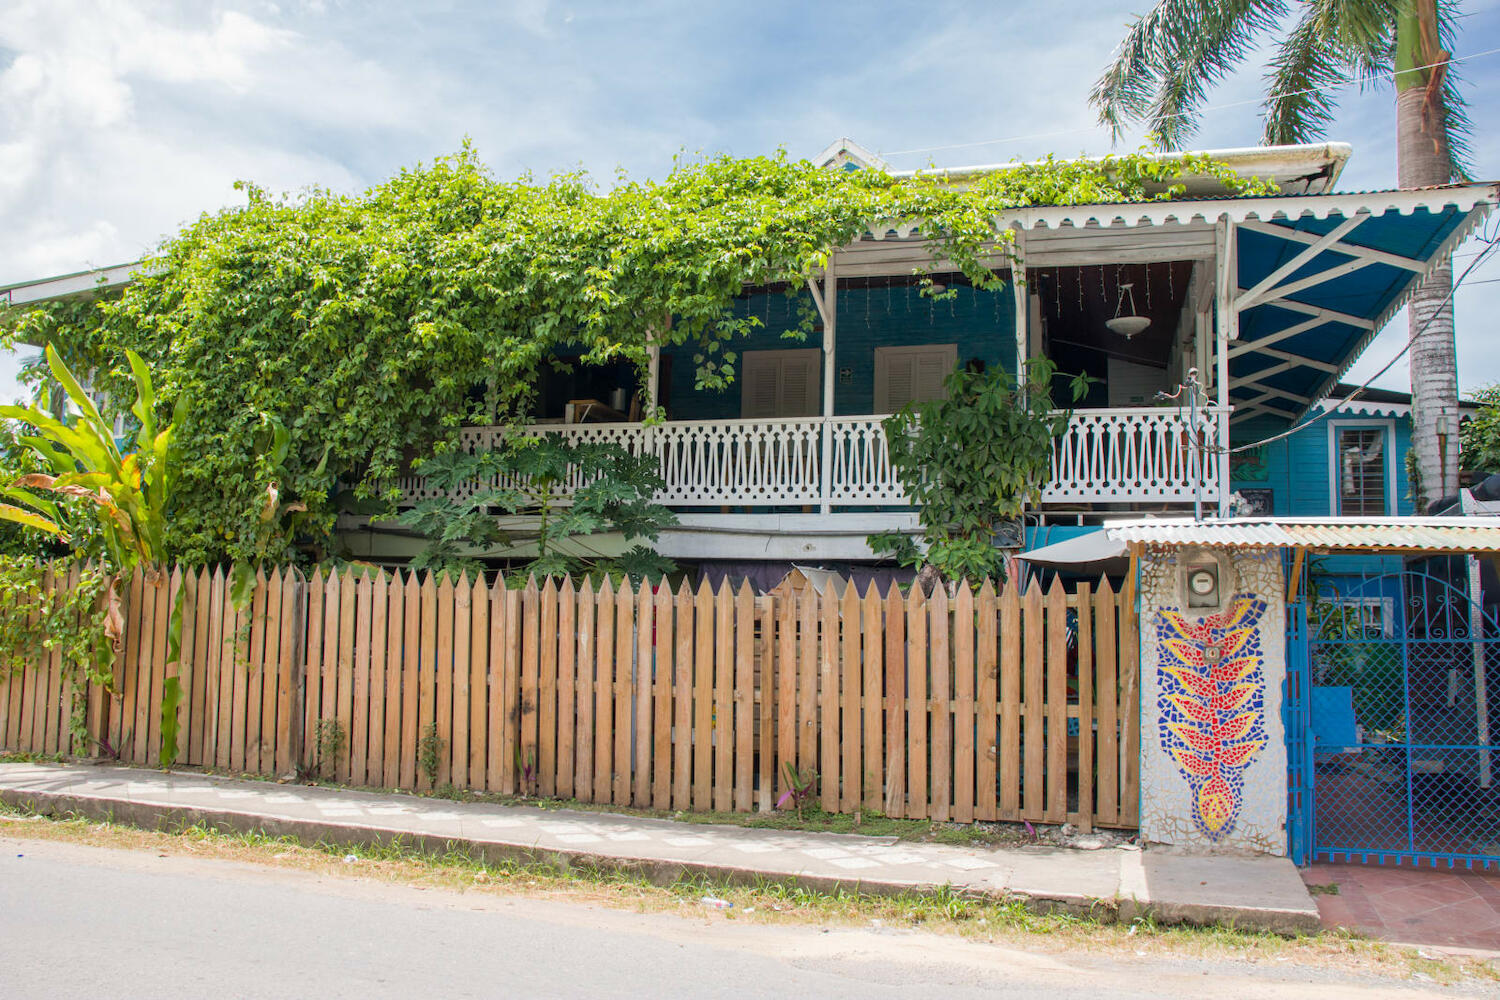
1023	307
827	301
1226	329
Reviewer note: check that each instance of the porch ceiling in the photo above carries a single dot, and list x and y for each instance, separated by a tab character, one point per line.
1313	291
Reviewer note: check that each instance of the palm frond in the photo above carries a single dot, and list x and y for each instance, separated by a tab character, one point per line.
1172	55
1299	106
1456	120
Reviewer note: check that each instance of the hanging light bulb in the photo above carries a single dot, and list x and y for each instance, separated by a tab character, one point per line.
1125	324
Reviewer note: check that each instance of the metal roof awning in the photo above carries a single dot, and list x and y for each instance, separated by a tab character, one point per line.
1313	289
1394	536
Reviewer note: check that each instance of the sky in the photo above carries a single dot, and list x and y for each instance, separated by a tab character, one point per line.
120	121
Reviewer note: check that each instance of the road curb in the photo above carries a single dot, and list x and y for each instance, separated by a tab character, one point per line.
1131	903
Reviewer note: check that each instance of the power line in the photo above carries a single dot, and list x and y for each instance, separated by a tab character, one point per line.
1337	85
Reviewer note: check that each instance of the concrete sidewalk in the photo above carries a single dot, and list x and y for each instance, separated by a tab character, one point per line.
1262	893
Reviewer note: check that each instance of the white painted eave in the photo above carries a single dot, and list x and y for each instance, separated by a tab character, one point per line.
64	286
1302	169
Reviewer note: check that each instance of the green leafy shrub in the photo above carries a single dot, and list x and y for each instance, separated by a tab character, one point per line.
971	461
364	324
616	496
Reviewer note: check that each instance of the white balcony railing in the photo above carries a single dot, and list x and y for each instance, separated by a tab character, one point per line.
1117	455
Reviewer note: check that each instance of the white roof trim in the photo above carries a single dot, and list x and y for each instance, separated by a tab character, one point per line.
63	285
1464	197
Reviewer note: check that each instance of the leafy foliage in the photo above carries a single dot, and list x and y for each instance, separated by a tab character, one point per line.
372	326
40	617
1176	51
525	477
971	460
1479	435
127	492
123	497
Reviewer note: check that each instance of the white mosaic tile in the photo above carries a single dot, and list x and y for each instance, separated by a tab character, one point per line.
239	795
441	816
554	827
827	853
341	810
969	864
753	848
502	824
855	863
688	841
623	836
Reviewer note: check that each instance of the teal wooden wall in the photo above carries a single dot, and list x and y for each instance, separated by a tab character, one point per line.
982	324
1296	469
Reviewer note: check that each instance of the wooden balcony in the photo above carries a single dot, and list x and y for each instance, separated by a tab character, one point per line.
1136	455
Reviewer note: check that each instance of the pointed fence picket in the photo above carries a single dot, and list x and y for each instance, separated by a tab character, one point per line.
997	704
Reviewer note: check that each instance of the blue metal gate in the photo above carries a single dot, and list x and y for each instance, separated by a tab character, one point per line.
1391	735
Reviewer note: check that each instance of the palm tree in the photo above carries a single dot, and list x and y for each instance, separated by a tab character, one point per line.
1173	54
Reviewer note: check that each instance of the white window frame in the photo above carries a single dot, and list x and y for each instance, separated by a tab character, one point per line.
1386	427
883	355
1386	606
776	356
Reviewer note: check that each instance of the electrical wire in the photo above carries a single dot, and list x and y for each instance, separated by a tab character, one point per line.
1336	85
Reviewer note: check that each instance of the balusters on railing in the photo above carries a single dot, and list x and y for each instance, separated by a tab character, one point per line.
1141	454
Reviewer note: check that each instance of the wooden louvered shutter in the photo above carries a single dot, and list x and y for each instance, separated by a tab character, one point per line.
780	383
911	374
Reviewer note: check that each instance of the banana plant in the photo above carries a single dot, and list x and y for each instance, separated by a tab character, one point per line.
128	491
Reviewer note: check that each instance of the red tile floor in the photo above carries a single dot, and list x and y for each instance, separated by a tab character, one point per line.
1446	908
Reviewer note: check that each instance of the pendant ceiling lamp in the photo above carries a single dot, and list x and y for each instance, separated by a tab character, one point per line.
1126	324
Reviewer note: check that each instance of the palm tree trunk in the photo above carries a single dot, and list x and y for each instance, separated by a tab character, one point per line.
1422	160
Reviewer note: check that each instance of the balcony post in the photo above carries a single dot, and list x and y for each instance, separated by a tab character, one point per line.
1225	329
830	312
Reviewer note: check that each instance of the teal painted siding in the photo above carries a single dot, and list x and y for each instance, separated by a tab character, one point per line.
982	324
1297	471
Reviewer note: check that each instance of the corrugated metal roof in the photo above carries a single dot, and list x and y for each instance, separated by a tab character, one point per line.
1396	534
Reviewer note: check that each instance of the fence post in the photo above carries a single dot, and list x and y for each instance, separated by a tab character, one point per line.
298	733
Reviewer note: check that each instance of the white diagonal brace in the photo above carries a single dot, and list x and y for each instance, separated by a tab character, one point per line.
1337	271
1248	346
1296	359
1267	284
1326	315
1369	253
817	294
1270	392
1277	369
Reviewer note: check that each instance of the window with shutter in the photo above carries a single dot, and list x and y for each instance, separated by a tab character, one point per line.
780	383
1361	471
911	374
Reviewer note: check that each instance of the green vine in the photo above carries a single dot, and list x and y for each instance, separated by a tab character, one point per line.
368	326
39	617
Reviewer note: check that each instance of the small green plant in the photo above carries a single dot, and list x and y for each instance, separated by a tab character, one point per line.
801	786
617	496
526	771
331	740
963	495
430	752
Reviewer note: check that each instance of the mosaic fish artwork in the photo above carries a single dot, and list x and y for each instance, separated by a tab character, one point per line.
1212	705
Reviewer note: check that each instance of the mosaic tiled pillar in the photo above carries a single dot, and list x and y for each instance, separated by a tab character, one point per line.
1213	760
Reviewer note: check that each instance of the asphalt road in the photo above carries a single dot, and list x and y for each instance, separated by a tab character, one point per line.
79	921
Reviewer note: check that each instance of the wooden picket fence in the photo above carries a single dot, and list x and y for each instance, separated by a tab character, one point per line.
1009	705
